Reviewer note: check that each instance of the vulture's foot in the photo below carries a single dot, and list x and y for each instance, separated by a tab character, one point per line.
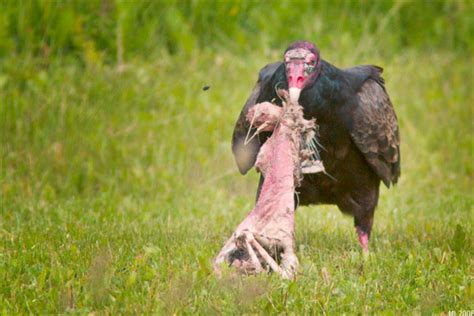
252	253
363	239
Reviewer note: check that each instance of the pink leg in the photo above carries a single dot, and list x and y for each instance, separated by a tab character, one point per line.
363	239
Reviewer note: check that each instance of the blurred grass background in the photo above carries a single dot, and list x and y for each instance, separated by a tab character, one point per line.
117	183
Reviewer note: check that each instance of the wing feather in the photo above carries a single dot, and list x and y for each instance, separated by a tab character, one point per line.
246	154
375	131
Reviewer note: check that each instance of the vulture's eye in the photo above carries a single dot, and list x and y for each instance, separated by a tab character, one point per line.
308	68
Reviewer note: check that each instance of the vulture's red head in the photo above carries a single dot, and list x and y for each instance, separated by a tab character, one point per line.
302	66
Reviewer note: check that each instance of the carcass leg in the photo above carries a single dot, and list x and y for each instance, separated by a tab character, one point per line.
252	264
266	257
244	241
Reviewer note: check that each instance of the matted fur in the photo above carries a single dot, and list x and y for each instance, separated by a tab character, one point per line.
264	241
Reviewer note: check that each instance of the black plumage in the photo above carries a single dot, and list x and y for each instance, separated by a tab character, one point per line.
357	127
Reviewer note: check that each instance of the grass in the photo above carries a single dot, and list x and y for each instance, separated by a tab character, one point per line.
119	188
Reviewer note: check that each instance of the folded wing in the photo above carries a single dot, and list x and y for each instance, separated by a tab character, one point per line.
374	129
246	154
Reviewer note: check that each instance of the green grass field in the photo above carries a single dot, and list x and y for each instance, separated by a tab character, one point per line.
117	188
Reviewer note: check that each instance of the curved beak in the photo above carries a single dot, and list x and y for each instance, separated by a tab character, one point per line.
294	94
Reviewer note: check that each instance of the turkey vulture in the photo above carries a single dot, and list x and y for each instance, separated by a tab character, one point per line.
358	131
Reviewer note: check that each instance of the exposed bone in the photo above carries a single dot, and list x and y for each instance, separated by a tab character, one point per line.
264	240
